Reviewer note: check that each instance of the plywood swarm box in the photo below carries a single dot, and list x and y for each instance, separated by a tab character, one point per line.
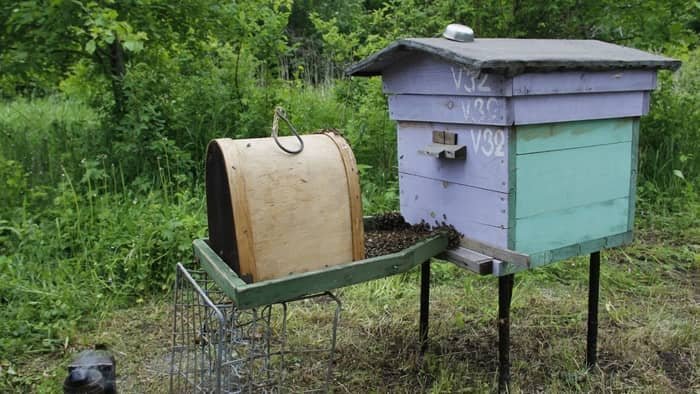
272	214
523	144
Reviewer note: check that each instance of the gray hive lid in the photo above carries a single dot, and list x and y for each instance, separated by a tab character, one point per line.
512	56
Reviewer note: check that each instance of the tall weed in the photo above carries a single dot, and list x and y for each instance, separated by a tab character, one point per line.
670	136
86	253
49	136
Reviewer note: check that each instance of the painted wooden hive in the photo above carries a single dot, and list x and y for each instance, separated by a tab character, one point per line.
527	145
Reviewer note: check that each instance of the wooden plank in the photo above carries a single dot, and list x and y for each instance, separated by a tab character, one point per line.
469	259
445	152
567	135
425	74
519	110
220	216
557	180
589	247
440	201
424	199
291	287
512	187
486	166
241	220
570	107
633	174
619	239
218	270
557	229
354	195
583	82
272	291
280	191
449	109
496	252
565	252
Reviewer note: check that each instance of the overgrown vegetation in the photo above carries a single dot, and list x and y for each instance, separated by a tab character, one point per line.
107	108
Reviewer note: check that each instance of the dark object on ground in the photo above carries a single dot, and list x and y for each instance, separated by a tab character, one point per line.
390	234
93	371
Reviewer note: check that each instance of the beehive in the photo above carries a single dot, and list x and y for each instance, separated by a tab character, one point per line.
523	144
272	214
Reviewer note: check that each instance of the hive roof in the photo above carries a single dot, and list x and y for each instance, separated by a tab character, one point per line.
511	56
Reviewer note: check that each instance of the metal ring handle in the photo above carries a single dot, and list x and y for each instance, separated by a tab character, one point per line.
280	114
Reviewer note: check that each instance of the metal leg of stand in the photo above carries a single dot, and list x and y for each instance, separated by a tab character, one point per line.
266	316
283	345
336	318
505	293
252	350
334	331
593	290
424	306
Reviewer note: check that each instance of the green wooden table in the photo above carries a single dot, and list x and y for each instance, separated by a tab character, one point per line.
252	295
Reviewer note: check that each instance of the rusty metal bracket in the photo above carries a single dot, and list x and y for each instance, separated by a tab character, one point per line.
445	146
441	151
509	256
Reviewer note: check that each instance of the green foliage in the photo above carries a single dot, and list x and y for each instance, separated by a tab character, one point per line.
13	184
79	256
670	135
103	27
670	25
667	25
49	137
44	38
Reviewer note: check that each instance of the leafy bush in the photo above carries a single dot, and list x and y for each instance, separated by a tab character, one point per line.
80	256
49	137
670	135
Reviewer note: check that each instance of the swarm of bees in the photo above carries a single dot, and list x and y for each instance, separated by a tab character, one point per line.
390	233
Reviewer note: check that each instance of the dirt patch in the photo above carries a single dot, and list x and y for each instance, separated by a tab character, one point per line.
390	233
678	367
477	346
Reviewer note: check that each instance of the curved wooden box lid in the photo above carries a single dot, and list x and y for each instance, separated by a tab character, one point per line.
272	214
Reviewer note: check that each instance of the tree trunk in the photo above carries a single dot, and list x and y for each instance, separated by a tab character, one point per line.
117	72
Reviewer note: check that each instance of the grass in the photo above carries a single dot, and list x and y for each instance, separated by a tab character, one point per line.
49	136
648	336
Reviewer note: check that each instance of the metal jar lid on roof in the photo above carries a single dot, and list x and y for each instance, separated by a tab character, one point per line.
510	56
457	32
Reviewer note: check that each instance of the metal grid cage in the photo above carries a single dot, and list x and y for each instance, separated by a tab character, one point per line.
218	348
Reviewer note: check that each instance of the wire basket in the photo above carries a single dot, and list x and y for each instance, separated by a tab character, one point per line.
218	348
